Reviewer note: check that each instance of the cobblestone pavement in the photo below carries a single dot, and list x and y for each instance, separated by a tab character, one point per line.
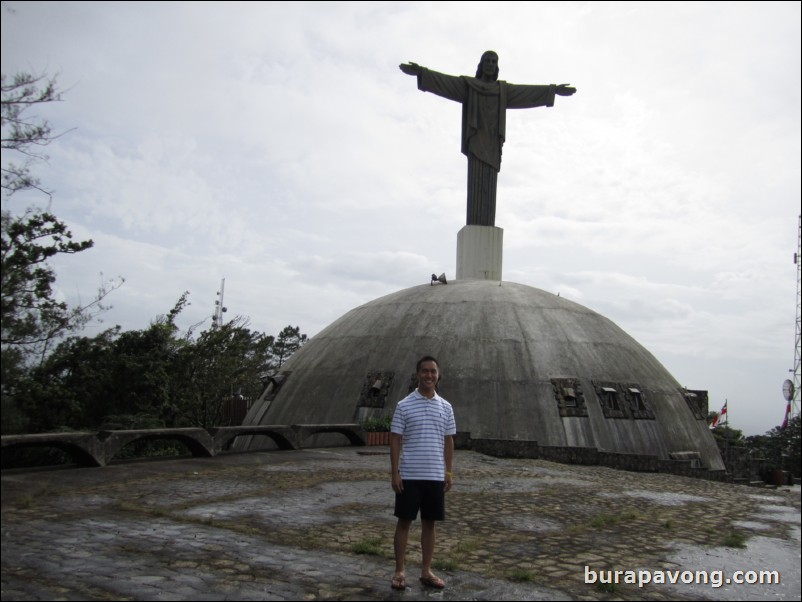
317	525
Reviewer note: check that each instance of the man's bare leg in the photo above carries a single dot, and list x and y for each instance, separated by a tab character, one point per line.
400	547
427	537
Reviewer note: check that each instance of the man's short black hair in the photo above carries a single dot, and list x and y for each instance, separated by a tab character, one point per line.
426	358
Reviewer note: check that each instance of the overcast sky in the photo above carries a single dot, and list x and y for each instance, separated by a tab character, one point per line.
278	146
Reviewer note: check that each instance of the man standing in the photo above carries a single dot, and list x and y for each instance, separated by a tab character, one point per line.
423	427
485	100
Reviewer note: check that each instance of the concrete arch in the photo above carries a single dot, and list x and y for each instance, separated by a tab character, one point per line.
283	436
198	440
85	449
356	434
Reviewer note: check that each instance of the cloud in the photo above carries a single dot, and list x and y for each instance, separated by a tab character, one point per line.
278	146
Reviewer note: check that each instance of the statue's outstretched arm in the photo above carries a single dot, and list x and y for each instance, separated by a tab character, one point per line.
564	90
411	68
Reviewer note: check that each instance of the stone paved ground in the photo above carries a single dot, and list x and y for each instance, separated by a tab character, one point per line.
317	525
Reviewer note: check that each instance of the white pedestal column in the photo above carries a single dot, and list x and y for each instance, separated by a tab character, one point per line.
479	251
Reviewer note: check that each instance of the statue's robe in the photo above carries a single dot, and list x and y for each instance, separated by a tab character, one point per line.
484	106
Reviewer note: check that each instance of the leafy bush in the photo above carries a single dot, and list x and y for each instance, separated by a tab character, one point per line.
781	447
377	425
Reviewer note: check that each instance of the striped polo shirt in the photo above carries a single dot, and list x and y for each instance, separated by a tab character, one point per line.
424	423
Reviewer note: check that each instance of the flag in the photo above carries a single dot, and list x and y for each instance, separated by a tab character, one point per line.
722	416
787	415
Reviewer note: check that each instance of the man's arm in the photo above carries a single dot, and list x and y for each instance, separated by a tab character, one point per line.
448	454
396	441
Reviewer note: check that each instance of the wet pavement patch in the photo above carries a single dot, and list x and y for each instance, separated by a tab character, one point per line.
296	526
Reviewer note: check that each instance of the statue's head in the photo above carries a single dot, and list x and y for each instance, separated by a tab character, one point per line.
488	66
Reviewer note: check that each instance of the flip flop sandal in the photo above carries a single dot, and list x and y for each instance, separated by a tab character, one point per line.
434	582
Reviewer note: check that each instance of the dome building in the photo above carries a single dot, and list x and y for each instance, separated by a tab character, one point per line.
518	363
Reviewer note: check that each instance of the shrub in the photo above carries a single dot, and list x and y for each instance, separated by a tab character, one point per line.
377	425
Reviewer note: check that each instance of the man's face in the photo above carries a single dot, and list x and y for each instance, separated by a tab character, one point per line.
428	375
489	65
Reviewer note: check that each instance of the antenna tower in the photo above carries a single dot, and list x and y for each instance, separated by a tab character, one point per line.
219	308
794	402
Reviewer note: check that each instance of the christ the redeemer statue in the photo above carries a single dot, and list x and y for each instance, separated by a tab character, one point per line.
484	103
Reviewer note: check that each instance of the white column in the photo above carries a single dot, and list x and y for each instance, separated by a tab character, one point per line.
479	253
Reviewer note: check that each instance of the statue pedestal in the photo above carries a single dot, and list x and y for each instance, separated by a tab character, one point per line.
479	251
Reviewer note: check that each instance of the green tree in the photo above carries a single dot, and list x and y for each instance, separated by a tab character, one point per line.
30	314
12	370
288	341
32	318
728	435
71	388
782	447
147	378
115	378
223	362
23	133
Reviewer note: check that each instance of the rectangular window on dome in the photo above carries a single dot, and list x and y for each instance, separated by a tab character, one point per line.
569	397
636	398
697	402
611	397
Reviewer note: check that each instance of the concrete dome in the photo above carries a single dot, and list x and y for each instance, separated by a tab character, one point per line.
517	363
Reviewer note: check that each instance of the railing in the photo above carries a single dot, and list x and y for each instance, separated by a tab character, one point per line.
98	449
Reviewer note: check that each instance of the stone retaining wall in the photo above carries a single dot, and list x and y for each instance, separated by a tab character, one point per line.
589	456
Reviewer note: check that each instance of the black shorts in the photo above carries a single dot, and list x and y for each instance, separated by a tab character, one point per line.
427	496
